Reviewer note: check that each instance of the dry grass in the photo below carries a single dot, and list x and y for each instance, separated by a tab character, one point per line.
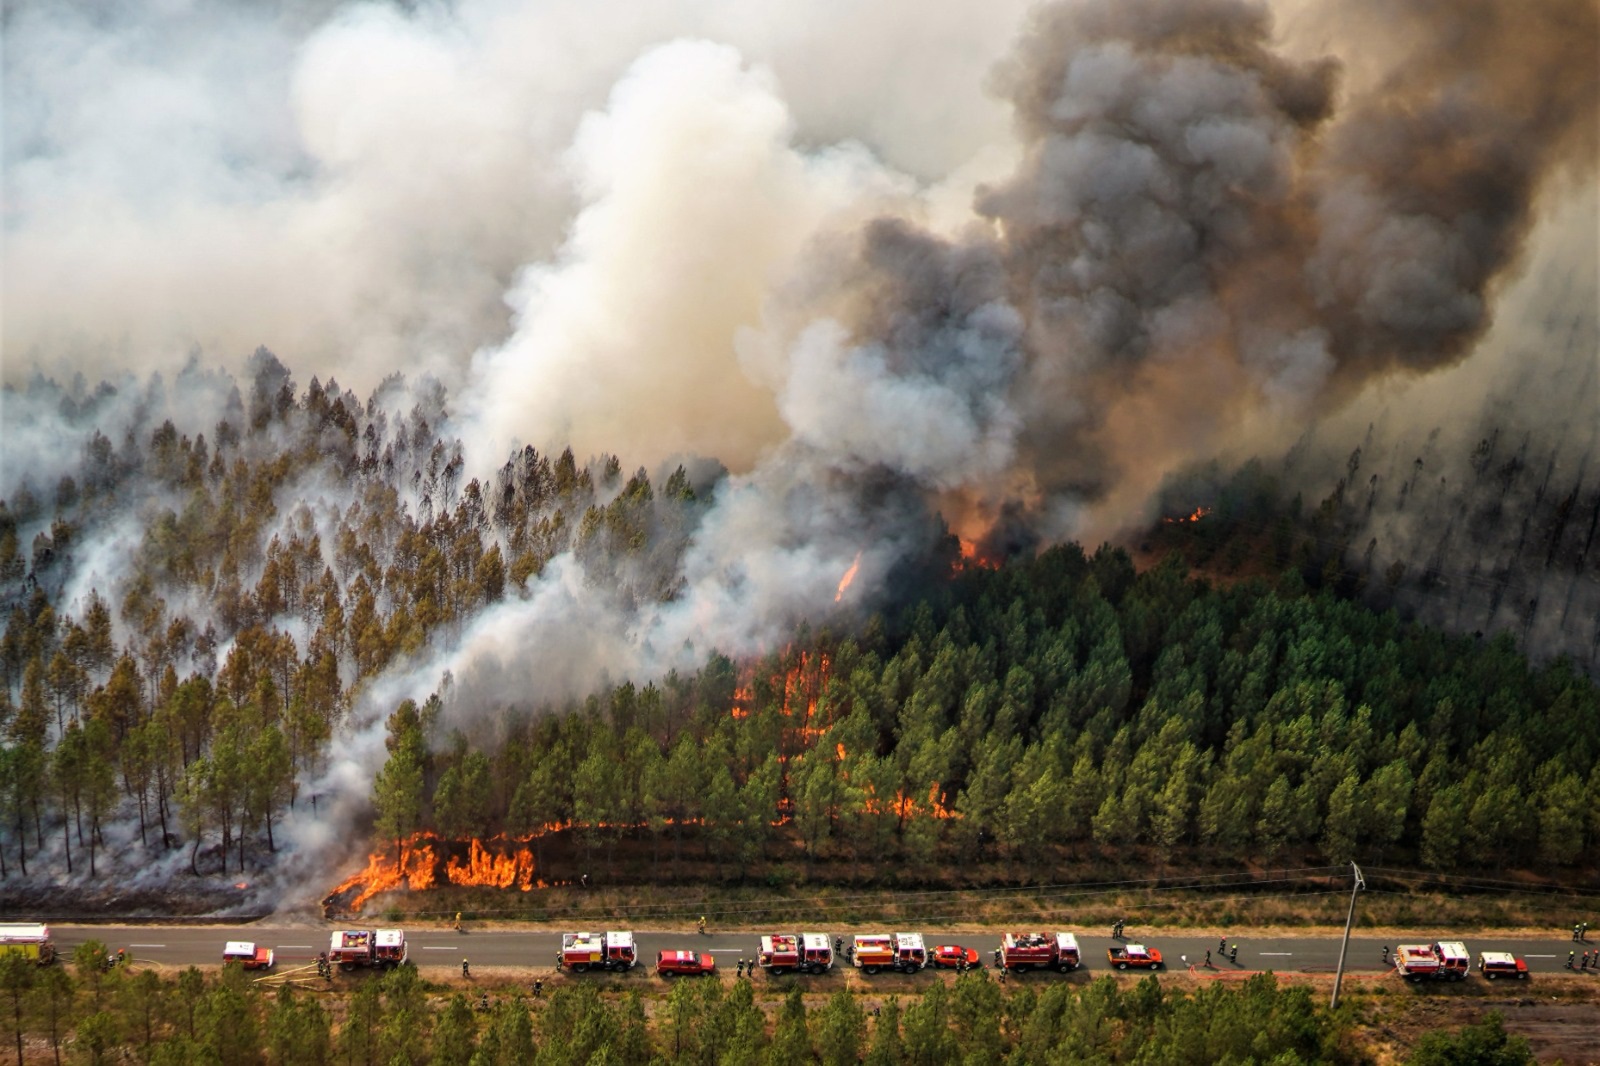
1303	904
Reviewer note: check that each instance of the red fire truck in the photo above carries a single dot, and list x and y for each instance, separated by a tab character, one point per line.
598	951
352	948
798	952
900	952
1445	960
1021	952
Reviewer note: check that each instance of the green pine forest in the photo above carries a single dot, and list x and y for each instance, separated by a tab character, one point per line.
288	552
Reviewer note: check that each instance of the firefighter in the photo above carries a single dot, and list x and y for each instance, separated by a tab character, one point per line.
538	988
1003	974
1575	929
1233	954
838	945
466	971
583	881
122	957
702	925
1570	956
1386	954
458	921
1222	946
1208	958
997	956
483	1002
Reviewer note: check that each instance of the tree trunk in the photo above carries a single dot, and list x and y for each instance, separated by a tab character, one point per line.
66	838
22	841
194	855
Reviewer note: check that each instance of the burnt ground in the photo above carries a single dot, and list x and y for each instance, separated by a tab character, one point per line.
1559	1028
112	902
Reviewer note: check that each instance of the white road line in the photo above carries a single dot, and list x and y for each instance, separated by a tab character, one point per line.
147	945
728	951
1538	956
430	947
1274	953
287	947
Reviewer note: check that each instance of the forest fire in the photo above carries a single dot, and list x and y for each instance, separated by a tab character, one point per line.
1199	513
501	862
849	576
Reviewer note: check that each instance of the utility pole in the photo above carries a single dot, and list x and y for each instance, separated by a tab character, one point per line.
1338	977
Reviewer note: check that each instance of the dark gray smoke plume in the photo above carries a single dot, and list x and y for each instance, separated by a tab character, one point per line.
1203	235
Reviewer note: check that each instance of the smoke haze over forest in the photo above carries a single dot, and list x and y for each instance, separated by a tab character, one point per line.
868	272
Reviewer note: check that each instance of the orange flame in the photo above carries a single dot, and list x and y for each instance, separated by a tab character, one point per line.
849	576
489	870
1199	513
502	863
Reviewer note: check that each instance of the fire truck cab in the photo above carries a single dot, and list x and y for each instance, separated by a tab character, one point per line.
247	955
1494	964
28	939
1026	951
782	953
598	951
900	952
1445	960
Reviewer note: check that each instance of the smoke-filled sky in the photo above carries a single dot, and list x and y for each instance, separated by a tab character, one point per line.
1034	257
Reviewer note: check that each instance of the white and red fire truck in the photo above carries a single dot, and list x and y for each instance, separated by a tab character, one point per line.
900	952
783	953
353	948
1446	960
1021	952
598	951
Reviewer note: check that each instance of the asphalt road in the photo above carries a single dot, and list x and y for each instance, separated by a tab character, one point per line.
492	948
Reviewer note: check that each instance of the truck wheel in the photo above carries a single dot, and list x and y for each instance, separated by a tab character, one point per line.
347	967
1522	977
1489	976
1157	965
1065	967
1122	966
869	970
580	967
1022	967
666	974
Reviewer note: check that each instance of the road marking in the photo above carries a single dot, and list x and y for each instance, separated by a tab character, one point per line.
430	947
728	951
147	945
1279	953
1538	956
286	947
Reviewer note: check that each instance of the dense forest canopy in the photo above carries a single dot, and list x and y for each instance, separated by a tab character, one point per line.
285	568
